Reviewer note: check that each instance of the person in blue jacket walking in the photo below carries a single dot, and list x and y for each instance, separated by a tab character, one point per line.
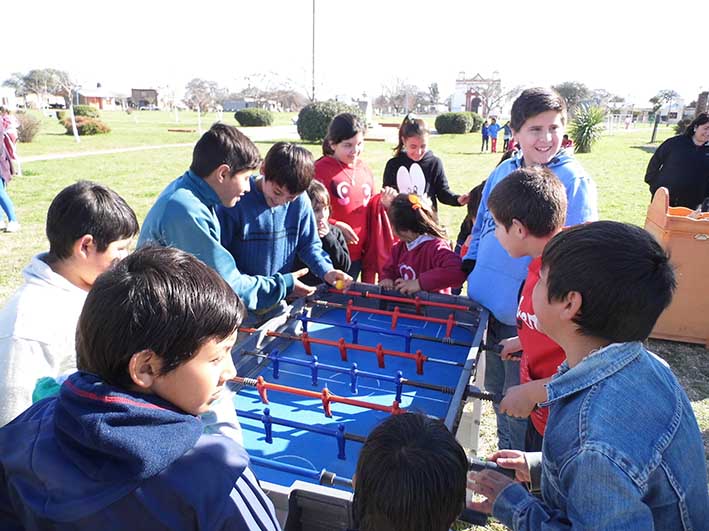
493	130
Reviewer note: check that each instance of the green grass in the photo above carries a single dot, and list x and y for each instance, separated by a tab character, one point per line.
617	164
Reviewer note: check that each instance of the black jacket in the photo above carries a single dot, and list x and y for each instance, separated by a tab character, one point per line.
683	168
335	246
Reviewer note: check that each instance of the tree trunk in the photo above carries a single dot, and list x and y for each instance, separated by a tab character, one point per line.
73	122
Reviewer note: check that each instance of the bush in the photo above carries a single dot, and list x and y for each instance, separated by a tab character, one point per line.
28	128
314	118
454	122
681	126
253	117
85	110
86	126
586	127
477	121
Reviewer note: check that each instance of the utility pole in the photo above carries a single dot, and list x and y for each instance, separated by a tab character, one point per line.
313	69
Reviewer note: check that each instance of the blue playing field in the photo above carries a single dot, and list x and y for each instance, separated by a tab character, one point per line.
317	451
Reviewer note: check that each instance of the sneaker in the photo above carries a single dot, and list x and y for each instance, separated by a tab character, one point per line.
12	226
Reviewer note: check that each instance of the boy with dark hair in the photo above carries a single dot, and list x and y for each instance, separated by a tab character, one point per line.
184	215
529	209
331	238
538	119
89	227
274	223
622	448
122	446
410	476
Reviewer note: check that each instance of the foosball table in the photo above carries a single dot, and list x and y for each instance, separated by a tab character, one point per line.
313	382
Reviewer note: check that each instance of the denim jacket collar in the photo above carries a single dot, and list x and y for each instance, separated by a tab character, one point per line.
591	370
201	189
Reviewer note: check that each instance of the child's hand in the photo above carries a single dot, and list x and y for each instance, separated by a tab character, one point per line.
387	283
518	401
489	484
347	231
338	279
513	460
509	346
388	195
407	287
463	199
299	288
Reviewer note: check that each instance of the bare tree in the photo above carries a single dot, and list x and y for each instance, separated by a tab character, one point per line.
64	86
201	95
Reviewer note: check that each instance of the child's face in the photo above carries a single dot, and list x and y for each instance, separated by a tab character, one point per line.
349	150
540	137
97	262
195	384
322	215
508	238
415	147
232	188
276	194
547	312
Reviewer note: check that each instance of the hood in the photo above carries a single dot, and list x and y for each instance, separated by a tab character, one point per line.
560	159
91	446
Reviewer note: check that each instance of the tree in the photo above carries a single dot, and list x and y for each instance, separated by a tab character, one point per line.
37	81
658	100
201	95
434	93
573	92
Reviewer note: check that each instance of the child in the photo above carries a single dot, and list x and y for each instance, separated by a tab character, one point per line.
529	208
538	118
122	446
349	182
567	142
423	259
7	170
506	136
485	131
184	215
416	170
273	224
622	448
332	240
410	476
493	130
89	226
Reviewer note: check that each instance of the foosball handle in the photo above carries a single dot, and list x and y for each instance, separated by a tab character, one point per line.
476	464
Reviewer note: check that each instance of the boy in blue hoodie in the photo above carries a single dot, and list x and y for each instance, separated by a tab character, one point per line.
122	446
184	215
538	121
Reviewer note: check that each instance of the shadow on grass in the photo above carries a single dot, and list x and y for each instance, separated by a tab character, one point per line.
646	148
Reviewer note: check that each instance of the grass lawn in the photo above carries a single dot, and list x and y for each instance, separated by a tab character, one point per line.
617	164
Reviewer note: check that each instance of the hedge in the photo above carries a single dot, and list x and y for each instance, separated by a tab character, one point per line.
314	118
454	122
253	117
86	126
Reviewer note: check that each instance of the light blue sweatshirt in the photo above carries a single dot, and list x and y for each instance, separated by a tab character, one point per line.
184	216
266	241
496	279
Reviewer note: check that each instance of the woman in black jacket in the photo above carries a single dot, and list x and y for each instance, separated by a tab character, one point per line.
681	164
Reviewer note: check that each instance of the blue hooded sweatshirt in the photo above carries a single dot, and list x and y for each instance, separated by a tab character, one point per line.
496	279
96	457
184	216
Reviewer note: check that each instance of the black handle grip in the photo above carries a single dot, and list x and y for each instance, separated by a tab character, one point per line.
477	464
469	516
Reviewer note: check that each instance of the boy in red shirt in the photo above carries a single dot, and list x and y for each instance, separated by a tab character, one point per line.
529	209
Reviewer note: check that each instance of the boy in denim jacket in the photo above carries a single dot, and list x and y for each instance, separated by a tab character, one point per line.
622	448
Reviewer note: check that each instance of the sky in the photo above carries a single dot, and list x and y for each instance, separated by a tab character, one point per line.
625	47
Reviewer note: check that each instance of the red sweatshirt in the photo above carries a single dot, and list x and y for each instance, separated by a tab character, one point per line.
428	259
350	190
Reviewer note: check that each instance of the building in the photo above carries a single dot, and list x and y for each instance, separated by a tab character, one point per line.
99	98
475	94
144	98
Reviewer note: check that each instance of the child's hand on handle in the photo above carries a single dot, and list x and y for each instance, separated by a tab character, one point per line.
338	279
407	287
388	195
490	483
518	401
513	460
387	283
347	231
463	199
299	288
509	347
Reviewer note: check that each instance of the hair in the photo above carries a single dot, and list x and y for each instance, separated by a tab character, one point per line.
224	144
84	208
624	277
343	126
410	212
319	197
534	101
701	119
534	196
289	165
410	127
410	476
160	299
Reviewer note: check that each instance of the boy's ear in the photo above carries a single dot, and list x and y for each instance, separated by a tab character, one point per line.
143	368
262	168
572	305
518	229
222	172
84	246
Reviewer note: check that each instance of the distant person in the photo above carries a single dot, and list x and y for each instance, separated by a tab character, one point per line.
422	260
681	164
507	136
485	132
493	131
122	446
567	142
89	227
8	168
274	224
414	169
622	448
410	476
538	119
184	215
331	238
